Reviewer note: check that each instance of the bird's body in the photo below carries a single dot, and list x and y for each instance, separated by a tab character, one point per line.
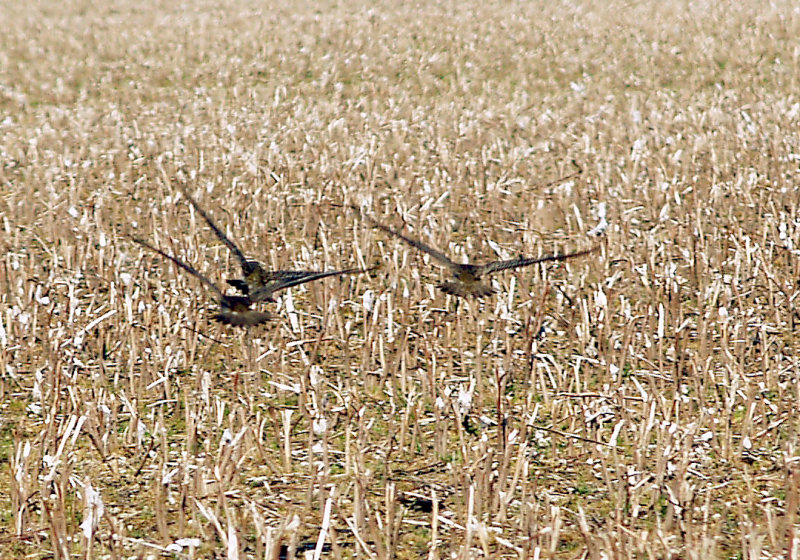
468	277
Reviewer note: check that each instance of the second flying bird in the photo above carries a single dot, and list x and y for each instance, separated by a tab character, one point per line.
468	277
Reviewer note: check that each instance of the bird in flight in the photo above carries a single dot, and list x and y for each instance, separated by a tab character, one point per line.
258	283
469	278
234	310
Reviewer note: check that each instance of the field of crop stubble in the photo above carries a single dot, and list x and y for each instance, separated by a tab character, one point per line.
640	402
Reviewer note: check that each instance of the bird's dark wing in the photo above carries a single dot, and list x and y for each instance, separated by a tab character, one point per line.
268	281
497	266
288	275
183	265
288	278
437	255
246	264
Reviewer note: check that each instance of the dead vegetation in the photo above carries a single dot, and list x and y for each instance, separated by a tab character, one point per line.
636	403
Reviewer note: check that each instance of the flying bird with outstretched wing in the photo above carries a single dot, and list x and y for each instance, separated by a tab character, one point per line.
468	277
258	283
234	310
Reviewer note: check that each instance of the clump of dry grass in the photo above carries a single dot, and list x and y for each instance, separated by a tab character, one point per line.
637	405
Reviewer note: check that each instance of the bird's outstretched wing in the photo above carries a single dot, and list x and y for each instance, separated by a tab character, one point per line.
275	276
497	266
287	278
182	265
246	264
437	255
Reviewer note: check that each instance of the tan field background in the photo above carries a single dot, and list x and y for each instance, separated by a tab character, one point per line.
641	402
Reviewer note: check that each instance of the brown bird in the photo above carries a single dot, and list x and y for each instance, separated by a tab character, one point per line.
234	310
257	283
469	277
